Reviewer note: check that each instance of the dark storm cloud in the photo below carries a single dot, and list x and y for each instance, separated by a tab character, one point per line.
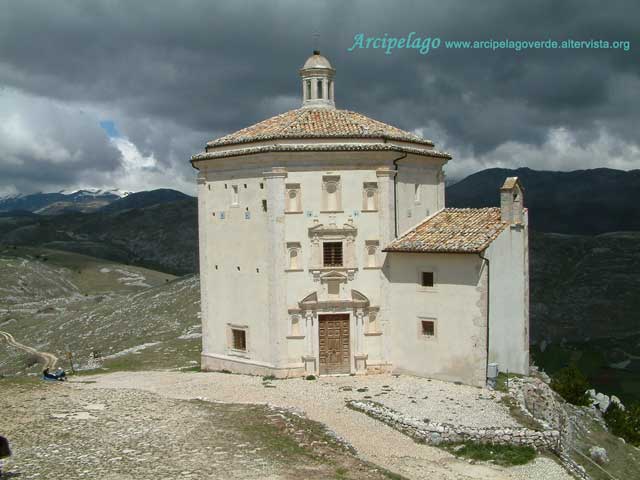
172	75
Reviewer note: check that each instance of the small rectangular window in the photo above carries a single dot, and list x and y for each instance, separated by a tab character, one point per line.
427	279
428	328
239	339
264	205
235	197
332	254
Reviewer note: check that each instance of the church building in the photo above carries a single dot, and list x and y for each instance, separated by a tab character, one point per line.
326	248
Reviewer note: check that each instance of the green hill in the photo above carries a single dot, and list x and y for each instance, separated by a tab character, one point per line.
61	302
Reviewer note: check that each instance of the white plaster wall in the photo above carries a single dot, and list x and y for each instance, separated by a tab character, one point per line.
429	177
234	296
457	303
509	291
252	298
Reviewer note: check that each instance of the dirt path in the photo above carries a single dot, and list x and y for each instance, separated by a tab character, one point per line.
324	401
48	360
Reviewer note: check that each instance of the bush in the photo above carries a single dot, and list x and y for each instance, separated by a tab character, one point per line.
624	423
571	384
505	455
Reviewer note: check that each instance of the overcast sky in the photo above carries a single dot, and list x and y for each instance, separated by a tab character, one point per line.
121	93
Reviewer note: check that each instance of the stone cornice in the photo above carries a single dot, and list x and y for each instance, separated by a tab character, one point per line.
335	147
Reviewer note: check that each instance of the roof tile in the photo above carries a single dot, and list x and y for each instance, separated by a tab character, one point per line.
452	230
317	123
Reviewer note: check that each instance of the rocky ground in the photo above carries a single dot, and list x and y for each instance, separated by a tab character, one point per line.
60	431
324	400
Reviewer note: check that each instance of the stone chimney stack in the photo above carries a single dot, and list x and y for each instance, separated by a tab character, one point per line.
512	201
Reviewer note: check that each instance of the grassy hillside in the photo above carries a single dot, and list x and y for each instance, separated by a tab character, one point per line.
585	307
59	301
585	287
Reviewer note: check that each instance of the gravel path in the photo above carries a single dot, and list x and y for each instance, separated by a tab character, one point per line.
62	432
48	360
323	400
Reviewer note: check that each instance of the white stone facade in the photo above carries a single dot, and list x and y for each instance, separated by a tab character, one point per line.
294	277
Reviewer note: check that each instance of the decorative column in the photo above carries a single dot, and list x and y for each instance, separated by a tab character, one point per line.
387	208
309	357
360	356
387	212
277	285
203	257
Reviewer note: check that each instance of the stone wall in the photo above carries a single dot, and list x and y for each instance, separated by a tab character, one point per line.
435	433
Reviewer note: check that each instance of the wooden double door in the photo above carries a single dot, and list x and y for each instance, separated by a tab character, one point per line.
333	333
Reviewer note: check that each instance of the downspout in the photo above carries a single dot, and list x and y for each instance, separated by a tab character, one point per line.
395	192
486	367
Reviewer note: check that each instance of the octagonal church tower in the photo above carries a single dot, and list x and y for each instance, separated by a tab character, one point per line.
294	214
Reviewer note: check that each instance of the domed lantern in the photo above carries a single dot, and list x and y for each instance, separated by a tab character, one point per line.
317	82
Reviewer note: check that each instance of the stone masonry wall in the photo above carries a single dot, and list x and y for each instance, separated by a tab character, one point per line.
435	433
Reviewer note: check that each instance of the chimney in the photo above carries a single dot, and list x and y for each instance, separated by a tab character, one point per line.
512	201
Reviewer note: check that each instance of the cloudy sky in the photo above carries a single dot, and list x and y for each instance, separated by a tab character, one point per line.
108	93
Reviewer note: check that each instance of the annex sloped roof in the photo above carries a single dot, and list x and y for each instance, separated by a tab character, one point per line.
318	123
452	230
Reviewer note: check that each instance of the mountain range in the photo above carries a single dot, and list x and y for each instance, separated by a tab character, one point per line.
86	200
587	202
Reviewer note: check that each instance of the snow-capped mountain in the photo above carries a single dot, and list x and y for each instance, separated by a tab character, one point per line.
96	192
85	200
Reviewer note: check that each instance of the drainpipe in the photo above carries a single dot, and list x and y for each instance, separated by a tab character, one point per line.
486	260
395	192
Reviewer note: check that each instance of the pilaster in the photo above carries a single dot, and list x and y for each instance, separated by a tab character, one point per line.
202	253
386	198
277	263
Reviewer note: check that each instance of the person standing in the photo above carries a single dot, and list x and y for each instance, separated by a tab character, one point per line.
5	451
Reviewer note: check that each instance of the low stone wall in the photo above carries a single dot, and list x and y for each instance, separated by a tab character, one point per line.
435	433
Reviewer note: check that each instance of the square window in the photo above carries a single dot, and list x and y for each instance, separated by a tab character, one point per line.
428	328
427	279
332	254
239	339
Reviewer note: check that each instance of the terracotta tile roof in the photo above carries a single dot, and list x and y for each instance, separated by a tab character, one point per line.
335	147
318	123
452	230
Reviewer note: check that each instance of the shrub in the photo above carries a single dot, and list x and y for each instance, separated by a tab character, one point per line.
310	377
505	455
571	384
624	423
